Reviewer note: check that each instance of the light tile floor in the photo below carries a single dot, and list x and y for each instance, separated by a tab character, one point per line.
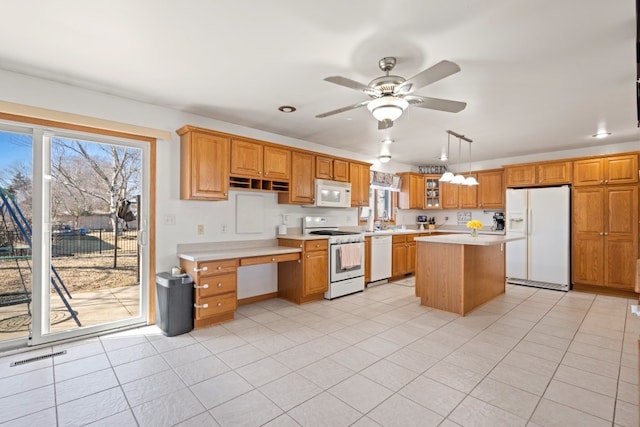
530	357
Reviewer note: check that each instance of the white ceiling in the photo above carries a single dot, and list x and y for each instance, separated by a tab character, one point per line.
537	76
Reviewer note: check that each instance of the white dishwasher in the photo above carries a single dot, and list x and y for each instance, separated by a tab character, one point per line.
380	257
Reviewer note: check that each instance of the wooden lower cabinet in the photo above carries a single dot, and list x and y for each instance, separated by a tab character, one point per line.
215	290
403	255
605	236
307	279
367	259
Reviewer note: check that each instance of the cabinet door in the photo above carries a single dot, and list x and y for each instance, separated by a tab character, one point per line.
411	254
398	259
340	170
520	176
469	195
431	192
450	195
324	167
555	173
367	259
621	233
588	172
359	177
246	158
277	162
301	188
622	169
491	192
204	167
588	225
316	272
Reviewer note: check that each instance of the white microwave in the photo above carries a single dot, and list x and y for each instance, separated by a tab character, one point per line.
332	194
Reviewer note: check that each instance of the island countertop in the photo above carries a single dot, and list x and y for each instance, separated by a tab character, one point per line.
466	239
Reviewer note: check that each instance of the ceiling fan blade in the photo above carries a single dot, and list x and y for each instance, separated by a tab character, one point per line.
436	103
342	110
431	75
385	124
352	84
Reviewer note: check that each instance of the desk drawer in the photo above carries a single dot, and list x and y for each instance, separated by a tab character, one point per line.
399	238
214	305
218	284
266	259
209	268
316	245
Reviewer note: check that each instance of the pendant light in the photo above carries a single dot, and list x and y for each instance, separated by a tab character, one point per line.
459	178
470	180
448	175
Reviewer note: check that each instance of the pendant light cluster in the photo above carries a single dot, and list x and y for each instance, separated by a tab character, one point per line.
459	177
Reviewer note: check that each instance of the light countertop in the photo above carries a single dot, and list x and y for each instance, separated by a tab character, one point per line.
302	236
453	229
466	239
218	254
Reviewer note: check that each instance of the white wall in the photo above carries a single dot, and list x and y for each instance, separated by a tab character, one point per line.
47	94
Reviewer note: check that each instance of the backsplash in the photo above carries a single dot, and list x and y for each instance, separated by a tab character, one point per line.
407	217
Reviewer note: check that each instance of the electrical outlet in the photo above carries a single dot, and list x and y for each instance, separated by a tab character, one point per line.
224	228
200	228
170	219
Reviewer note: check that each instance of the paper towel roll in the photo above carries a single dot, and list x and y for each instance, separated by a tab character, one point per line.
282	229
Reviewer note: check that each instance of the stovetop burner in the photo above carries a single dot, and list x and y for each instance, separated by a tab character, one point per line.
333	232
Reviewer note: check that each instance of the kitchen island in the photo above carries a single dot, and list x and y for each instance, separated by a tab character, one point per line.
457	272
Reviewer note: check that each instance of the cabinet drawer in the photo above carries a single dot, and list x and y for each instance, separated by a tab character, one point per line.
266	259
210	268
217	304
399	239
316	245
214	285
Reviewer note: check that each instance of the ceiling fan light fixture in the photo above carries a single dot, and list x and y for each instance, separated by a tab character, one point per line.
384	158
387	108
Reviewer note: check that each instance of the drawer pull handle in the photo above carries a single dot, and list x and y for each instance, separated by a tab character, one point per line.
273	259
317	245
219	285
219	304
200	269
219	267
201	306
201	287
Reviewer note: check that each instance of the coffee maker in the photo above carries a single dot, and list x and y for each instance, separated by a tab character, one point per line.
498	220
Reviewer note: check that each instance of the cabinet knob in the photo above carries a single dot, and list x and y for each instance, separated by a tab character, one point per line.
273	259
606	180
307	256
259	172
219	267
317	245
200	287
219	285
606	234
601	233
200	269
219	304
201	305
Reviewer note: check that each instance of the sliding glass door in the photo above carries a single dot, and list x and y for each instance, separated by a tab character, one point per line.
84	235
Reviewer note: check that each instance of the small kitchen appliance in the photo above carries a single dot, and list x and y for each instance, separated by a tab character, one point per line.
498	219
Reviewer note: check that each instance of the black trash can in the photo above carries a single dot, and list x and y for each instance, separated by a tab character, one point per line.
174	304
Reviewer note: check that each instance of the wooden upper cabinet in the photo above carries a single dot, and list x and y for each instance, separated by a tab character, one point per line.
257	160
333	169
606	170
204	164
555	173
301	185
491	190
469	195
456	196
277	162
547	173
520	176
360	182
412	191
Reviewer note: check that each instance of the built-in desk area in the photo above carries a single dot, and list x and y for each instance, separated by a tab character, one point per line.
215	266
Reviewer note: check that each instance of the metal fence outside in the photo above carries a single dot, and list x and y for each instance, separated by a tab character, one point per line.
93	242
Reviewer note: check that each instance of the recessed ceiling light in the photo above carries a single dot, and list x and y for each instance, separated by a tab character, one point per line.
384	158
602	134
387	141
287	109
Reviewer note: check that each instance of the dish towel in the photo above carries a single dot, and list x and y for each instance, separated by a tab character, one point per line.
349	256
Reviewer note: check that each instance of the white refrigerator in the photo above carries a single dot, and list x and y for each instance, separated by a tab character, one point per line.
542	216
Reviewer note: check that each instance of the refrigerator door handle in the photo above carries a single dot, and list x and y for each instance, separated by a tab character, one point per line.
530	222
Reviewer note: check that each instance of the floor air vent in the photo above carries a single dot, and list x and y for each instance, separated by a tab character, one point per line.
37	358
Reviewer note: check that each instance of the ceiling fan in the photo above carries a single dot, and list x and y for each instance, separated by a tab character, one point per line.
391	95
